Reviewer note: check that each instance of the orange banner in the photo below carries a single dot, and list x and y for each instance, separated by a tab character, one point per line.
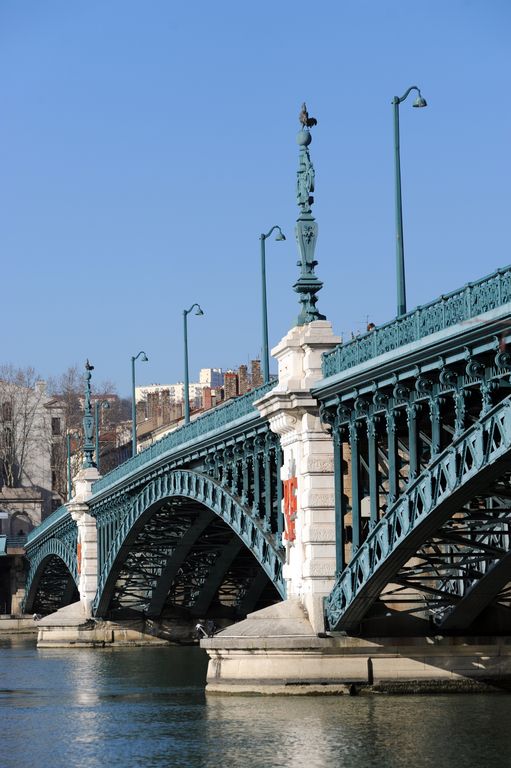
290	507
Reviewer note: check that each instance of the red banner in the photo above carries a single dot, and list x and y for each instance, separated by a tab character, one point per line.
290	507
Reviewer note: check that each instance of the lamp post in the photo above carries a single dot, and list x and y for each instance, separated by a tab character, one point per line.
186	312
69	437
144	359
266	354
97	405
400	257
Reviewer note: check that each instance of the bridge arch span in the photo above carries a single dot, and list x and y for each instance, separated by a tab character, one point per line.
434	510
52	579
183	519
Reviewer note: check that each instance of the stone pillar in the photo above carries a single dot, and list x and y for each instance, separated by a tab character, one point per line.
307	448
87	547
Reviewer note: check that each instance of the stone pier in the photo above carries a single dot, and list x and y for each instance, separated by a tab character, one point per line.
276	651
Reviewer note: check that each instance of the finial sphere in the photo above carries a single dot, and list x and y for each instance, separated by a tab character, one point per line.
304	138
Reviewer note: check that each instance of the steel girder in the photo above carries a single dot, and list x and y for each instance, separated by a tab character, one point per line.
51	567
159	524
421	525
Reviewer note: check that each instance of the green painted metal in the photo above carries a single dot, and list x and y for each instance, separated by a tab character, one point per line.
214	495
68	458
400	257
144	359
306	229
264	304
174	563
97	405
480	455
57	539
450	309
394	423
88	421
186	392
48	524
214	421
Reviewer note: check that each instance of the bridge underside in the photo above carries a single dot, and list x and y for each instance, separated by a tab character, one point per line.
54	587
458	579
181	561
440	559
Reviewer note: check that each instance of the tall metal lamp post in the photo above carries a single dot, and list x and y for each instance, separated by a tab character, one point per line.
266	353
400	257
69	437
97	405
144	359
186	393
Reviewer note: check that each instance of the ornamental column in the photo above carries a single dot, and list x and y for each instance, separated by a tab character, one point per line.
87	542
293	414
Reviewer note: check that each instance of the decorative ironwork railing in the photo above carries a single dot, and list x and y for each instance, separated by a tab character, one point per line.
211	421
470	301
56	517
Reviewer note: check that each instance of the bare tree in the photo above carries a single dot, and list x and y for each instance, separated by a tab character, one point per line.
22	426
69	389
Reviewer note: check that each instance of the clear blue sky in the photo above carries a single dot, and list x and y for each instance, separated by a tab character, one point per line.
144	146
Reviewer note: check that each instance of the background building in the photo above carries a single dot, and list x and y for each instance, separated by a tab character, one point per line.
211	377
32	428
175	393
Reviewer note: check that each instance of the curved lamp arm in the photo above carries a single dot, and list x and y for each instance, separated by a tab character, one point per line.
198	312
420	101
280	236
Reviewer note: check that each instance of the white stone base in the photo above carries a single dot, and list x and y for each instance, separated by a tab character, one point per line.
271	654
12	624
71	627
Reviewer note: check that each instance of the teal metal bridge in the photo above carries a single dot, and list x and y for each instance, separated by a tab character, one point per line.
192	519
419	413
397	457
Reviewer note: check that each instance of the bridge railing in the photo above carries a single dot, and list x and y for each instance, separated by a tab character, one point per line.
470	301
215	419
55	517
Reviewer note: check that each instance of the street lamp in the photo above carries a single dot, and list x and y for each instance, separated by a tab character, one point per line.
144	359
186	312
69	437
400	257
97	405
266	354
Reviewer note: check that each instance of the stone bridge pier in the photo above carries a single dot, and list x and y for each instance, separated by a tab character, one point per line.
87	538
307	471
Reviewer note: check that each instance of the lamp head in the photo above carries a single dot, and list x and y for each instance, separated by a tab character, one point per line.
280	236
105	404
199	311
144	358
420	101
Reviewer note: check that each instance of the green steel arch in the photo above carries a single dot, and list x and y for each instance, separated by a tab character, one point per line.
473	461
51	548
212	496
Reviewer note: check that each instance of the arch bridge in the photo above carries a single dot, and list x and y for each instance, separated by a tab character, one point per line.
187	528
372	482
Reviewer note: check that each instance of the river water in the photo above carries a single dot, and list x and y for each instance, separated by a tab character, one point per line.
147	707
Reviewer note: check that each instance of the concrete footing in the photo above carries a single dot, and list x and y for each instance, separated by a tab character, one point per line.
71	627
17	625
275	651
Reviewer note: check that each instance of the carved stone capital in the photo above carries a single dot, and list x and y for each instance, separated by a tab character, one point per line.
83	483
